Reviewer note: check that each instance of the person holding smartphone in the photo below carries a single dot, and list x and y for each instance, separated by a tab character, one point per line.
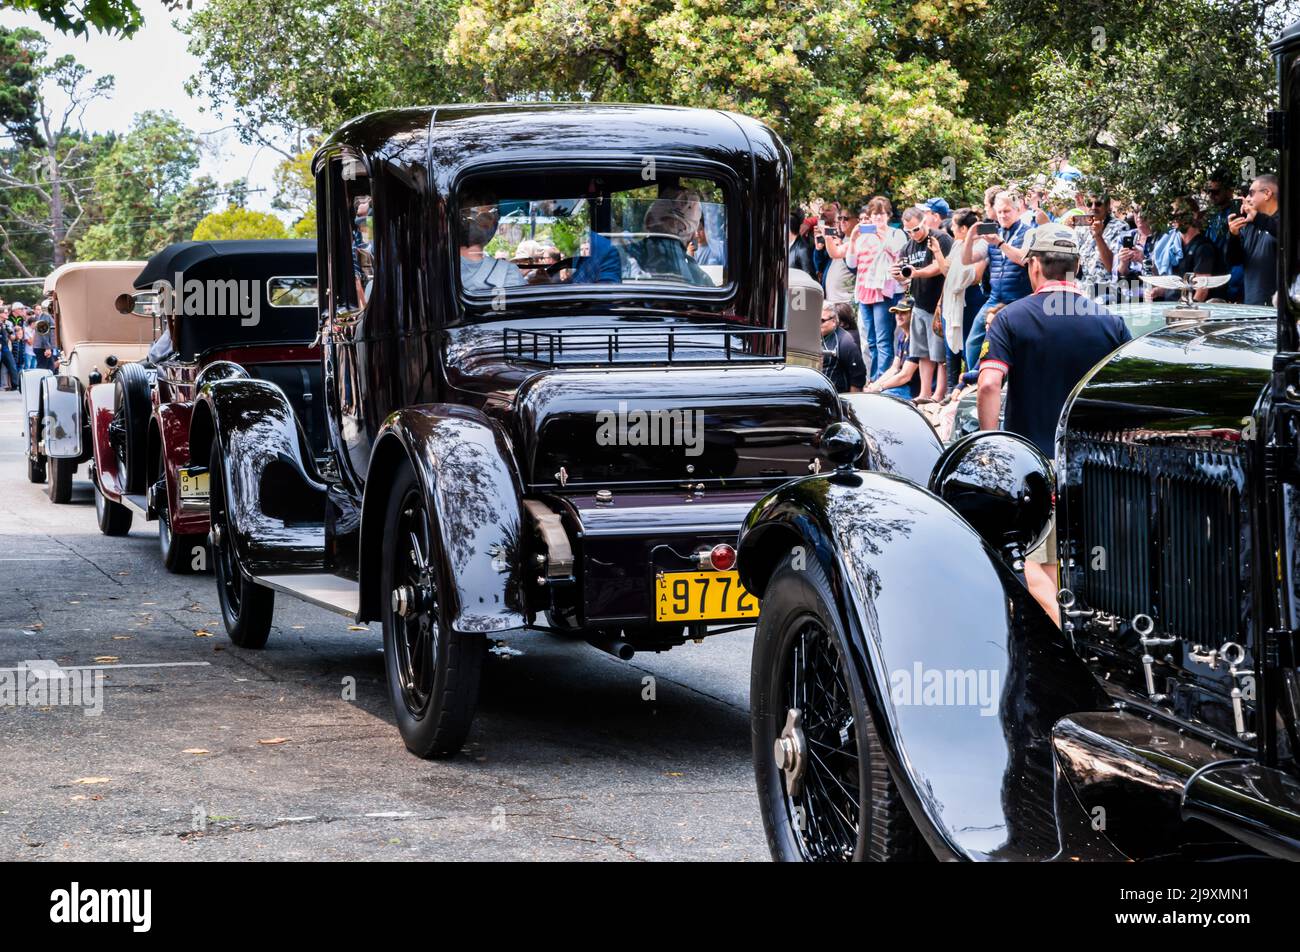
1001	243
838	279
873	253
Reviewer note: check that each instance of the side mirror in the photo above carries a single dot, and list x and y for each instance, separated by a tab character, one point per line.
842	444
1003	486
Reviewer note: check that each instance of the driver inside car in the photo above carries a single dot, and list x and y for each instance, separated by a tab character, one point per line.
480	271
671	221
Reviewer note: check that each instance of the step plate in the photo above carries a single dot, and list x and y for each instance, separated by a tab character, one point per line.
341	595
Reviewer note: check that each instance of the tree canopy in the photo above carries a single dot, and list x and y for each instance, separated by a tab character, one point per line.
235	222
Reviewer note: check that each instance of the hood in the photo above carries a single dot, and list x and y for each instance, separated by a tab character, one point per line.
1187	379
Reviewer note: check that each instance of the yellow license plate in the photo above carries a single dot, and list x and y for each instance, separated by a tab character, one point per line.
702	596
193	485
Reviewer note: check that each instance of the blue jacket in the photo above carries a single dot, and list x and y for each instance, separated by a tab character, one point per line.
1008	281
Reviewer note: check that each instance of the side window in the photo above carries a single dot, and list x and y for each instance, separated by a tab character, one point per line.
351	223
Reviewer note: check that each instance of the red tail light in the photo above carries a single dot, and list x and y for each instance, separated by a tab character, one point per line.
722	557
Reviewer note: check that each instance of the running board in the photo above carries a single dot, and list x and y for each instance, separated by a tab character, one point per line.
325	589
137	503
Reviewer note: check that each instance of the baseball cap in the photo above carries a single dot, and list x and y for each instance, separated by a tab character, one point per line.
1052	238
904	305
938	206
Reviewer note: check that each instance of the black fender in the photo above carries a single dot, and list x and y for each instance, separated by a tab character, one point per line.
276	503
899	439
471	484
921	597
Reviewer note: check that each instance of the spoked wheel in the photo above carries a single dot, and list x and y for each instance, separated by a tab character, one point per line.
114	518
177	551
825	792
246	607
433	671
61	472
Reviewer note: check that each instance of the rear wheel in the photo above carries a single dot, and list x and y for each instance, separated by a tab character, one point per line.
825	791
129	430
433	671
246	607
114	518
60	480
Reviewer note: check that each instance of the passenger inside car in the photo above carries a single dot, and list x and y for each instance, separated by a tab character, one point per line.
480	271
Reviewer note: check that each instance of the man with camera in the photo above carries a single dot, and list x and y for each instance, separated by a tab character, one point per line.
918	267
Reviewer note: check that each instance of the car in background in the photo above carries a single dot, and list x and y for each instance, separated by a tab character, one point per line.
92	338
213	306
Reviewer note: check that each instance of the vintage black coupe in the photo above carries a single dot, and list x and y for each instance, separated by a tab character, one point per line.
542	410
911	700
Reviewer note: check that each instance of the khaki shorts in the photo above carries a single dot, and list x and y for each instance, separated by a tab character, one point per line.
1045	554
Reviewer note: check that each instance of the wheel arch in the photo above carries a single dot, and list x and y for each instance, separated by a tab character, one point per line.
978	778
471	484
276	507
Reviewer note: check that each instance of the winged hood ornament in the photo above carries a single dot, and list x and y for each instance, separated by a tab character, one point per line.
1187	285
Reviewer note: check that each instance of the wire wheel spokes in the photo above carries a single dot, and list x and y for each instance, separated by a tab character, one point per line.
825	810
418	630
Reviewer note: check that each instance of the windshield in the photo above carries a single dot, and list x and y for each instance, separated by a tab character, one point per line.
591	229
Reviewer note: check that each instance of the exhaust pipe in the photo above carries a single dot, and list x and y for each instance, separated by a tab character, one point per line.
616	646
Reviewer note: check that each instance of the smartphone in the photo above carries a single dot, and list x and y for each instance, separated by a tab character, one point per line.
986	228
1126	241
866	229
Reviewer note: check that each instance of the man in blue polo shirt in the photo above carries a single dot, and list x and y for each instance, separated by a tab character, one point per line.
1008	279
1042	345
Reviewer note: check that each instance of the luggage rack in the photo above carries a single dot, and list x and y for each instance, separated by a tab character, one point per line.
648	346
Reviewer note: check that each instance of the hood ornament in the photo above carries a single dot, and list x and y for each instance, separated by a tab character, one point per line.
562	477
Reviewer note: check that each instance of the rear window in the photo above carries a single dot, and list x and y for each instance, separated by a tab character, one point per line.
566	230
291	292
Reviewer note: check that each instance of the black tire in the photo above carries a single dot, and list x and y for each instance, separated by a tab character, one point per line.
36	470
114	518
131	409
177	551
60	480
433	671
246	607
847	807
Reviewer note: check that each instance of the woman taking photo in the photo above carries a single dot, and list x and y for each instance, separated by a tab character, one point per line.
873	251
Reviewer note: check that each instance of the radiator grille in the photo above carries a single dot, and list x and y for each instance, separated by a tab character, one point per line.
1117	535
1198	558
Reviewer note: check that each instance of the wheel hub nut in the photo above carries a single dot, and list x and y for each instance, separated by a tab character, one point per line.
790	752
403	599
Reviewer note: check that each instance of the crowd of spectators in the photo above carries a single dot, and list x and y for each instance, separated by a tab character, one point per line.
26	342
924	282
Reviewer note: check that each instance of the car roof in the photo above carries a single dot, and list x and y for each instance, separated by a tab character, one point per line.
290	256
450	137
86	292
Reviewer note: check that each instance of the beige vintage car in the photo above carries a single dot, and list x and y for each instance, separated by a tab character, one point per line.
92	338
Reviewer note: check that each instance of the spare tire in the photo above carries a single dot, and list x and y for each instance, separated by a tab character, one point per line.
131	408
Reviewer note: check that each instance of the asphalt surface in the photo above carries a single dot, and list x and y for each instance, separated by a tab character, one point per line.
568	758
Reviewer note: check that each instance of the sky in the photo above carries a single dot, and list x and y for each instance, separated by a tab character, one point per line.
150	72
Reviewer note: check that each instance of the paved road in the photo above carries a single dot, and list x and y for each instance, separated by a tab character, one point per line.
566	759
